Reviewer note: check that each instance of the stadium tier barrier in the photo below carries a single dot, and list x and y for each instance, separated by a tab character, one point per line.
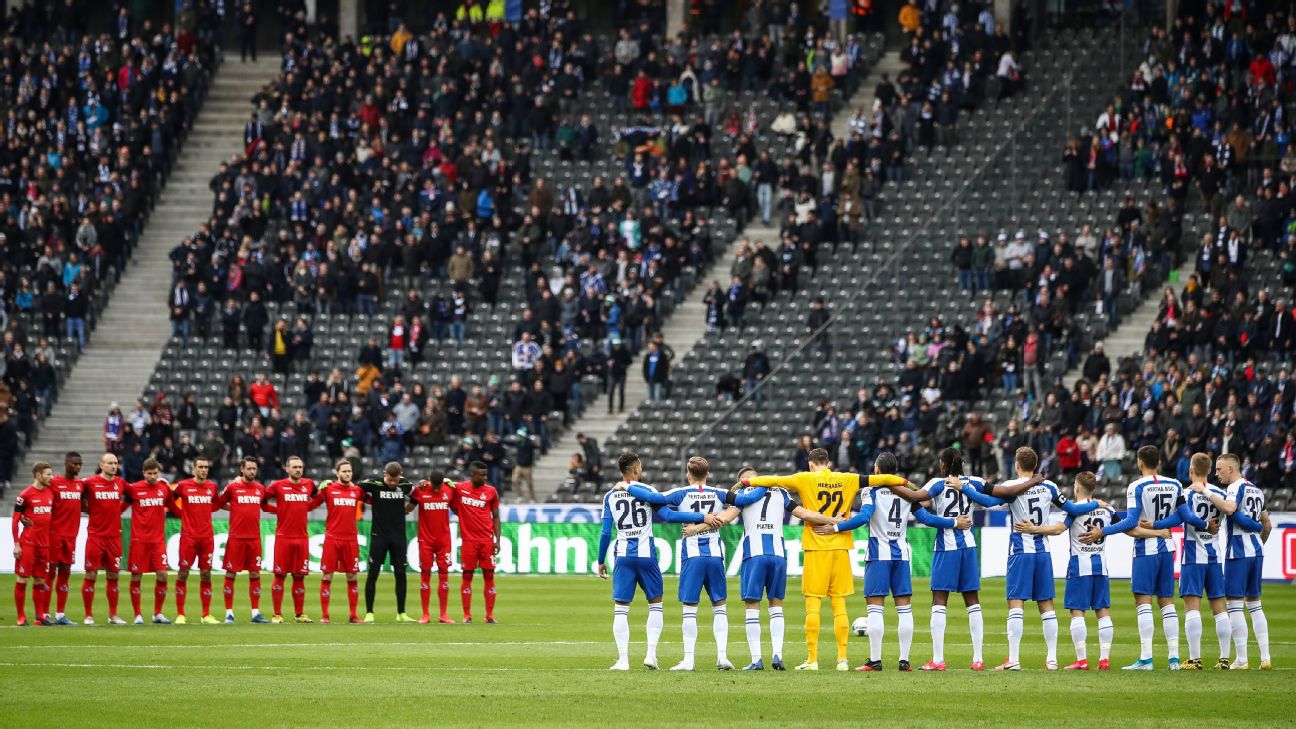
549	539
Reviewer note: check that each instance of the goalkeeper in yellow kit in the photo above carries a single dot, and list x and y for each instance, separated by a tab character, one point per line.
827	564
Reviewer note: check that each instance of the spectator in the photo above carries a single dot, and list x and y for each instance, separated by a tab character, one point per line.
755	368
656	371
1111	451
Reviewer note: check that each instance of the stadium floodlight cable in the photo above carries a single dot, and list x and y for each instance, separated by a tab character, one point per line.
1009	142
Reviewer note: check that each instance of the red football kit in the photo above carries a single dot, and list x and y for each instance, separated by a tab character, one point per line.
341	538
195	501
148	505
243	548
67	518
432	503
291	505
475	507
38	506
103	498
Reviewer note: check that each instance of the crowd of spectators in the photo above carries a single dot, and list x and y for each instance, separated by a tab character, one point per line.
92	125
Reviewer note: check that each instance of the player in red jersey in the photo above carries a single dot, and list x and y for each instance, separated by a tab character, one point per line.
194	499
148	500
477	504
290	500
244	497
102	499
63	535
344	501
432	500
34	510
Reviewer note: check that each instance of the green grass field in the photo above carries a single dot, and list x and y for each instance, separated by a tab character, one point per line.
545	664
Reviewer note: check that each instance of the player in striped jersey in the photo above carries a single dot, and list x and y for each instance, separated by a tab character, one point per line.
636	562
887	571
1151	496
764	557
1030	568
955	565
703	557
1201	572
1246	527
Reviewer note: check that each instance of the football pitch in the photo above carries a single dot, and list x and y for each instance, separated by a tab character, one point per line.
546	664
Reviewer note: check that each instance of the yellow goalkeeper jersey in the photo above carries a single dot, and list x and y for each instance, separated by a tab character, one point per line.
830	493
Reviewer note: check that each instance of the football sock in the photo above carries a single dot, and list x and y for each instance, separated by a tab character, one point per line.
1049	620
938	615
371	588
1079	635
465	593
135	590
488	582
228	591
905	628
1106	633
299	594
777	628
425	590
353	597
654	627
841	626
205	594
181	592
114	593
1237	618
1193	629
621	631
62	574
159	596
20	599
1170	626
1223	634
41	598
812	628
752	620
876	632
688	628
720	631
254	594
276	594
443	591
976	627
1259	626
1015	618
87	595
1145	632
401	587
325	593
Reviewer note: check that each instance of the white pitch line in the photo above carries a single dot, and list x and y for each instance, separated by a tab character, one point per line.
175	667
424	644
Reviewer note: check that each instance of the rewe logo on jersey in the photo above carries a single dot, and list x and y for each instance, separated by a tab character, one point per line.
42	509
70	495
479	503
199	499
152	503
391	494
113	495
344	501
435	506
295	497
249	500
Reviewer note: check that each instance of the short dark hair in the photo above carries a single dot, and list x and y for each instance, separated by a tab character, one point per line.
150	464
886	462
392	469
1027	459
626	461
477	466
745	469
39	466
951	462
1149	456
246	460
698	467
436	478
819	455
70	455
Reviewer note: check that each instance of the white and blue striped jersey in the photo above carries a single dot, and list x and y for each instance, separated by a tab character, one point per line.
1088	559
1200	546
1033	505
763	522
952	504
699	500
1154	497
888	526
632	521
1251	503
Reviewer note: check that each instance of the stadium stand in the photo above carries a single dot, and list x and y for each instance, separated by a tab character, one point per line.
94	123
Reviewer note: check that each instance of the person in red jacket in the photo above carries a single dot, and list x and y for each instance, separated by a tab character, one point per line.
641	91
1068	453
263	393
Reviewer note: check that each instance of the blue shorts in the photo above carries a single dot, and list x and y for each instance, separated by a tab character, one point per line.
1202	580
1242	576
699	572
630	571
1030	576
887	577
1087	592
956	570
1153	574
764	575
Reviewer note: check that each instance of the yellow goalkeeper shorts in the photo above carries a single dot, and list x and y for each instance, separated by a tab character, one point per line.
827	573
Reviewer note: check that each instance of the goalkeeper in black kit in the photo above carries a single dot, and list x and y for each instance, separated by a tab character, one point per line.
387	540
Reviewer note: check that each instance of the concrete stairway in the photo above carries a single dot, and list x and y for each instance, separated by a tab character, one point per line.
134	327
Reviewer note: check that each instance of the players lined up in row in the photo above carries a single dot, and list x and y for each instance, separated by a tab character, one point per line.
48	513
1224	530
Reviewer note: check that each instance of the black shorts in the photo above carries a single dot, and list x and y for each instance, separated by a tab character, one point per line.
384	548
